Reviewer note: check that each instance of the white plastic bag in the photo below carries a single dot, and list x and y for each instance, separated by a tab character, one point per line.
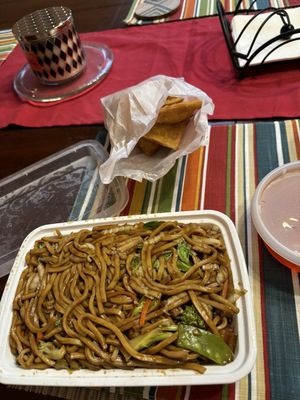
131	113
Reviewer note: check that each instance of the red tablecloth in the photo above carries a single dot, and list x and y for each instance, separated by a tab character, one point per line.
193	49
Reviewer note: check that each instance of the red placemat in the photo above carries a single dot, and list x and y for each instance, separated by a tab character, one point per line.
193	49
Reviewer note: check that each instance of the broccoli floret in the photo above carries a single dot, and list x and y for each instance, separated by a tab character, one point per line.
190	316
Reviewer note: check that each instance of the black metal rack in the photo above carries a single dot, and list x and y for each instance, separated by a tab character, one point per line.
284	36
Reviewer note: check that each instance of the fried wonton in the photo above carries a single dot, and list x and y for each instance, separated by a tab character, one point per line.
167	135
170	125
147	146
177	112
172	100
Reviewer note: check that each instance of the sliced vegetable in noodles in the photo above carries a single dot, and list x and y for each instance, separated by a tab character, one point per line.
205	343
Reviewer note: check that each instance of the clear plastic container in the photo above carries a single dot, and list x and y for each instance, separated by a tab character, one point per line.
65	186
276	213
245	353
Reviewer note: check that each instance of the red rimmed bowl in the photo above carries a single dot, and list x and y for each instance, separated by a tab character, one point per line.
276	213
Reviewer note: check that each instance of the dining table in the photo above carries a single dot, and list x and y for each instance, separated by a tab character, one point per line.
255	128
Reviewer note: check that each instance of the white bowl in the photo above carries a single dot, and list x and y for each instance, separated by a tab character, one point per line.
276	213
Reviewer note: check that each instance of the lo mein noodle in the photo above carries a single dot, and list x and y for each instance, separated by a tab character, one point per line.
148	295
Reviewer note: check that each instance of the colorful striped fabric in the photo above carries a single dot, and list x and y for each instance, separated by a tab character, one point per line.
223	176
203	8
7	43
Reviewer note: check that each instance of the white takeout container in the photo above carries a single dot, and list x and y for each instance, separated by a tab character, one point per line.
245	355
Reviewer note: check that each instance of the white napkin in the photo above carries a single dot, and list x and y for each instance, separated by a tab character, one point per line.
271	29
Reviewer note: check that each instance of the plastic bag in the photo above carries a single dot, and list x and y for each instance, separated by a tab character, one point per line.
131	113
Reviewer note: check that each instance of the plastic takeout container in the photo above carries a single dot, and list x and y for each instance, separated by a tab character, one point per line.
245	354
276	213
64	186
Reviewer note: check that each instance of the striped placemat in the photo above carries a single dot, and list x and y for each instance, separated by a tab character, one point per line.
202	8
223	176
7	43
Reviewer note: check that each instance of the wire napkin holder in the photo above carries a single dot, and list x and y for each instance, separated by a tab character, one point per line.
246	61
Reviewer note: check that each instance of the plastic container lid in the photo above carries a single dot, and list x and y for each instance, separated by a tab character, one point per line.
276	213
63	187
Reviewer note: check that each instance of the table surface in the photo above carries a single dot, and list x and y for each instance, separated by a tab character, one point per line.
21	147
